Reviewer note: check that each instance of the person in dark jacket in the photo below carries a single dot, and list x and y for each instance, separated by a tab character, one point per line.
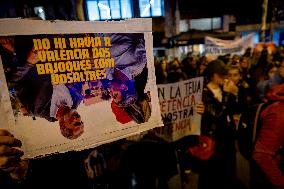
244	96
219	98
189	67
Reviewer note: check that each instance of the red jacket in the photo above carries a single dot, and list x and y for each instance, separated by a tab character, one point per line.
271	138
120	115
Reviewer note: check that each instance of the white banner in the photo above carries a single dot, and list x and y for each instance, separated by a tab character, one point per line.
178	107
219	47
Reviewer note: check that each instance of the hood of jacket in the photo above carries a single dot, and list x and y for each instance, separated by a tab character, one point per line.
276	93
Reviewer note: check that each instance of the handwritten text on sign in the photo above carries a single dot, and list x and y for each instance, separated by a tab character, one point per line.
178	102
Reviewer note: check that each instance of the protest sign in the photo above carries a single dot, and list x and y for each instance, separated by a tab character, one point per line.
178	108
219	47
74	85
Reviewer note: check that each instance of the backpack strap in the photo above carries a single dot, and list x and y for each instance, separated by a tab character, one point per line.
260	108
256	121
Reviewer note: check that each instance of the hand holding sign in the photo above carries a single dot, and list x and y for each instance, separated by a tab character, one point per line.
200	108
10	161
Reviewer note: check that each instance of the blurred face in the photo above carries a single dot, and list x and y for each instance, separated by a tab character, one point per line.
234	75
175	63
272	71
202	68
218	79
193	63
97	90
235	59
73	121
116	91
245	63
92	93
92	89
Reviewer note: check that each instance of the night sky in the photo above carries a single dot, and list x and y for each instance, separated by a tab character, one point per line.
246	11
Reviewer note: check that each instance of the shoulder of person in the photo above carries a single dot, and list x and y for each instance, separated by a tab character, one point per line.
274	107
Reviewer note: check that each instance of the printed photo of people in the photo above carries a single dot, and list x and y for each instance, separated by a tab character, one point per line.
112	73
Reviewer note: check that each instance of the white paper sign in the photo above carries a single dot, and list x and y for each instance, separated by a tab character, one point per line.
178	108
75	85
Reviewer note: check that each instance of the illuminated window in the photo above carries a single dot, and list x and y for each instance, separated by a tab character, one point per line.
216	23
109	9
151	8
206	23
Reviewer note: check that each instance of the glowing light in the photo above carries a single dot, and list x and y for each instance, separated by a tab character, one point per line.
147	8
106	8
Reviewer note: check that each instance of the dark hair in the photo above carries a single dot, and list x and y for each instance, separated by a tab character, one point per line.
234	67
243	57
215	67
269	67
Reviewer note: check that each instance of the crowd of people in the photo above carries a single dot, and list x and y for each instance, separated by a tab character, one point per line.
233	86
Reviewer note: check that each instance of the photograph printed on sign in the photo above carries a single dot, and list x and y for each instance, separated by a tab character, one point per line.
70	86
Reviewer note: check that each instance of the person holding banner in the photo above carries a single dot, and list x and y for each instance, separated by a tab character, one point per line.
217	129
149	163
11	167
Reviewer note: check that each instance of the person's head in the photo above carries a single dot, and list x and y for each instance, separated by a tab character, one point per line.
120	90
193	62
234	74
271	70
174	66
275	80
216	72
165	60
94	92
121	87
71	125
175	62
202	67
203	60
244	63
248	52
235	59
117	90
